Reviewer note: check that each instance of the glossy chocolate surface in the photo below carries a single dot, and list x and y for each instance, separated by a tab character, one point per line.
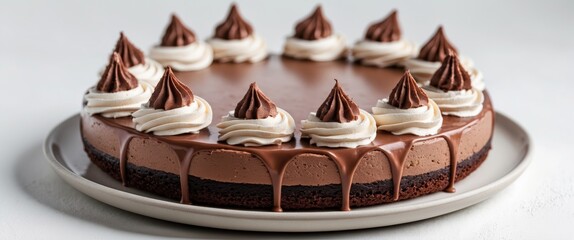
298	87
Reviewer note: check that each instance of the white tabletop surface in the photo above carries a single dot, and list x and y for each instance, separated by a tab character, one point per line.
50	52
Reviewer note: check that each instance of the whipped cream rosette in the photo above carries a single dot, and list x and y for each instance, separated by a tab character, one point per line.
180	49
339	123
450	87
172	109
431	56
235	41
408	110
144	69
118	92
314	40
383	44
256	121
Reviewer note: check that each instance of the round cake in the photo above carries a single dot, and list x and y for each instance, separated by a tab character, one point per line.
323	152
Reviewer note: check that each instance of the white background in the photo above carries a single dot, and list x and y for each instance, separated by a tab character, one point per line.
50	52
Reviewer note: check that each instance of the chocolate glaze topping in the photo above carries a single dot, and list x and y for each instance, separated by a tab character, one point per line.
338	107
407	94
129	53
387	30
170	93
234	26
437	48
177	34
277	158
116	77
451	76
314	27
255	105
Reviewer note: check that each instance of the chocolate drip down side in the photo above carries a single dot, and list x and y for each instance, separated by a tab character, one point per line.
277	160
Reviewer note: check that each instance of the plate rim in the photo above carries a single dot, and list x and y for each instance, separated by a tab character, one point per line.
492	187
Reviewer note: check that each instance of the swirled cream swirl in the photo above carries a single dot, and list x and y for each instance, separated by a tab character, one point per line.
117	104
325	49
383	54
150	72
420	121
257	132
334	134
250	49
423	70
463	103
187	119
476	79
195	56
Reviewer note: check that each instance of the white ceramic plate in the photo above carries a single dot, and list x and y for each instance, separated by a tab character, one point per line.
506	161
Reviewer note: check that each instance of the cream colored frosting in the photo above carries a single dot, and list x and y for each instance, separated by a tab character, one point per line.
192	57
188	119
464	103
250	49
420	121
384	54
476	79
257	132
117	104
150	72
422	70
334	134
326	49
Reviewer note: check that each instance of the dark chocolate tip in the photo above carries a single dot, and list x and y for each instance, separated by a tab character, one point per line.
116	77
407	94
255	105
314	27
170	93
234	27
177	34
437	48
338	107
451	76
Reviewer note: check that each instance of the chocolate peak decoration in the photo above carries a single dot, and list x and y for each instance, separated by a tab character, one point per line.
407	94
338	107
129	53
437	48
170	93
314	27
116	77
177	34
234	27
255	105
387	30
451	76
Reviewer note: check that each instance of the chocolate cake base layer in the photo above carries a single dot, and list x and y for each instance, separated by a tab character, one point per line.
258	196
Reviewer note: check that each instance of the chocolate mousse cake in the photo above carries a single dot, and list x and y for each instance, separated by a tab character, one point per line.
282	134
